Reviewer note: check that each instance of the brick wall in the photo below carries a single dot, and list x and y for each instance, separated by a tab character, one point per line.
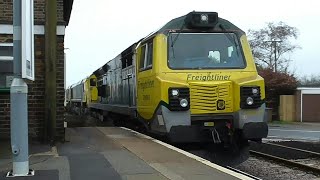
60	86
5	38
6	12
4	98
4	116
36	102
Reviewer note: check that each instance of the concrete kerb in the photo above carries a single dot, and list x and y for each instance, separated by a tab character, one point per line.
296	124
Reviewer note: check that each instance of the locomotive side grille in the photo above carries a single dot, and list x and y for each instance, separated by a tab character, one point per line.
204	97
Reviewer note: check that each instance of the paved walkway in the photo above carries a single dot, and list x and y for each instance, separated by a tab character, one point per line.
297	125
114	153
295	131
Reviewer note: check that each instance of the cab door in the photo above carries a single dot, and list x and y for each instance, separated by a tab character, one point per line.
145	79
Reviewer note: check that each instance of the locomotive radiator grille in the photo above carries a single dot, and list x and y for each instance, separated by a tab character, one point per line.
206	98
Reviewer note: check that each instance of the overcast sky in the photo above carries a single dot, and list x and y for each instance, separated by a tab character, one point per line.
100	29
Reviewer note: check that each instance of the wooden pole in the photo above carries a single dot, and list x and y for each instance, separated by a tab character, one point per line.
50	70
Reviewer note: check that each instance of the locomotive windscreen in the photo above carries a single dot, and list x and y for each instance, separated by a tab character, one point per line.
204	51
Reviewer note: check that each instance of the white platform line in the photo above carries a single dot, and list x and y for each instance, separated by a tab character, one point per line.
278	138
294	130
197	158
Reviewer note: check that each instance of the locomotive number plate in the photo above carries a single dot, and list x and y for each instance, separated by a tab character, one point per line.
209	124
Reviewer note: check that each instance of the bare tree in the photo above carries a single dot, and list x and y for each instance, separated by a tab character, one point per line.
271	43
310	81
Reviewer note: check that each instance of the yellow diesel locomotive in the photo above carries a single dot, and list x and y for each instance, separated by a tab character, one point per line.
193	80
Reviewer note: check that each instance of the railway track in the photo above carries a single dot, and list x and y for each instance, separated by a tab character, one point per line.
316	154
289	161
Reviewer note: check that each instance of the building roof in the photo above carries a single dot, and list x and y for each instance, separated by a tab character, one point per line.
67	8
177	24
308	88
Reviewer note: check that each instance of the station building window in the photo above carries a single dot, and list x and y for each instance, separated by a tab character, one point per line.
6	64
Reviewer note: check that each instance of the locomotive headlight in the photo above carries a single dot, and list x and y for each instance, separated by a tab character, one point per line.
175	92
206	20
249	101
183	103
250	97
255	91
204	17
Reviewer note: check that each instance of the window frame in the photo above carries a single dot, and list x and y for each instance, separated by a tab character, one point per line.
6	88
149	66
6	58
146	45
142	67
211	68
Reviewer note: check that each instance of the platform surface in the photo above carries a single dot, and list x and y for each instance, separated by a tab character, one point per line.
116	153
295	131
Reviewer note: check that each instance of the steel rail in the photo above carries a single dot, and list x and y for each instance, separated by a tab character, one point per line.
287	162
296	149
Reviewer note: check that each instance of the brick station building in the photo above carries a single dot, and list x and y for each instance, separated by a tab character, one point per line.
40	125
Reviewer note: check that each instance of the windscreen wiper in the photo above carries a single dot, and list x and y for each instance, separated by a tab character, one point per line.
172	47
231	39
175	39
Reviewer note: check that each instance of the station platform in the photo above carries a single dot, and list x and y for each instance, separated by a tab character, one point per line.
115	153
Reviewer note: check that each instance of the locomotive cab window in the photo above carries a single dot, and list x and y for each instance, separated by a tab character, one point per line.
129	59
142	57
148	63
205	51
146	56
126	60
93	82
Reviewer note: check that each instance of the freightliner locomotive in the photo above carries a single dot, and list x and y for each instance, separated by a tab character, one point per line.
193	80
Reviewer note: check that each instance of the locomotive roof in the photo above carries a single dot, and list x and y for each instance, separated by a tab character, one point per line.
178	23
